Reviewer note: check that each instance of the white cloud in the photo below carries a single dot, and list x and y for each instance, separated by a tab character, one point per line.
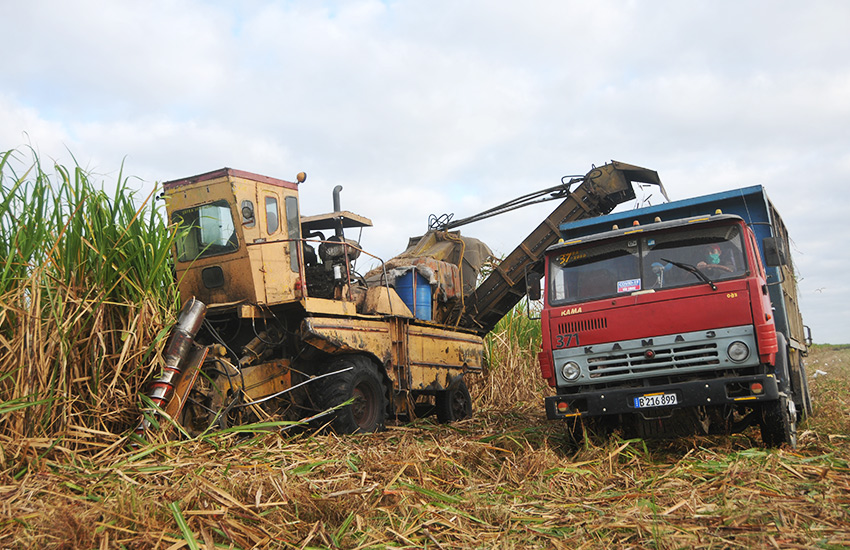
419	108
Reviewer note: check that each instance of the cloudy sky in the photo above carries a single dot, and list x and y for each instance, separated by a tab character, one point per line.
452	106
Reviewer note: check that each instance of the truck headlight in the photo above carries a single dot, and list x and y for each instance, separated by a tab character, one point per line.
738	351
571	371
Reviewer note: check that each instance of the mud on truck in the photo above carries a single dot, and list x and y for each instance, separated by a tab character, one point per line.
677	319
278	323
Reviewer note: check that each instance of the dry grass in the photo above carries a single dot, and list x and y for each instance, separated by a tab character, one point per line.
504	479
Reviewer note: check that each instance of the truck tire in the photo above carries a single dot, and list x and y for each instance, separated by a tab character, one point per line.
800	386
454	403
779	422
363	385
806	410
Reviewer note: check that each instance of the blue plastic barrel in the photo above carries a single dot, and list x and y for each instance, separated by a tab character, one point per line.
415	292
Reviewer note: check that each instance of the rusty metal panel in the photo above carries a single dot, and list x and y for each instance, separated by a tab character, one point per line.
321	306
341	335
436	355
416	357
264	379
384	300
190	368
226	173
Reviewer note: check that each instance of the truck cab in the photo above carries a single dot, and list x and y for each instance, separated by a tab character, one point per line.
666	327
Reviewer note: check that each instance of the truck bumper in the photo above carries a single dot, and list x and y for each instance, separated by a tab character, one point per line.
610	401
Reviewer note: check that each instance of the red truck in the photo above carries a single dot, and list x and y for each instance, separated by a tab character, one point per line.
676	319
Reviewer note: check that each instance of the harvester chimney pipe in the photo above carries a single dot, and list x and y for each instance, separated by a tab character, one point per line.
337	207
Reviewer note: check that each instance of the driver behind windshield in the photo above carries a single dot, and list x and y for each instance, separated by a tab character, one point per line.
715	259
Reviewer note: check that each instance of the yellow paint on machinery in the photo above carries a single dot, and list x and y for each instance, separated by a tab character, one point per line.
415	356
262	216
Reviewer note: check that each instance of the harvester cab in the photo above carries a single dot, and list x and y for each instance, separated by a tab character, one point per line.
241	239
237	238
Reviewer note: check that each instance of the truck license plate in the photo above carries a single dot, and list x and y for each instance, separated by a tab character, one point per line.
655	400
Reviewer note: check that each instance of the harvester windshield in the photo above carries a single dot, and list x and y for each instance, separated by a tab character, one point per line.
206	230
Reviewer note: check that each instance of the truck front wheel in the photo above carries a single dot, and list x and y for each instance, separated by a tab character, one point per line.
361	384
454	403
779	422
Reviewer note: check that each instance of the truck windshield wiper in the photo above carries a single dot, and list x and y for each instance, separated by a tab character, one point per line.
688	267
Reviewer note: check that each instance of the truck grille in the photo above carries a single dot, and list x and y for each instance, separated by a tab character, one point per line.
582	325
673	359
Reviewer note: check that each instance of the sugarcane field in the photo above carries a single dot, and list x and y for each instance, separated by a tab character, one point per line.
341	413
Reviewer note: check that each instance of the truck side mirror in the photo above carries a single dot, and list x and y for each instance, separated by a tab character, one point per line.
774	255
532	285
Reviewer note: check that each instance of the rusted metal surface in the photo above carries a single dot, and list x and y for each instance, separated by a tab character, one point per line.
321	306
187	380
347	335
260	380
415	356
384	300
436	356
227	173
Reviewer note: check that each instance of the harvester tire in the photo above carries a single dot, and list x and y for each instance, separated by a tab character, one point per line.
454	403
362	384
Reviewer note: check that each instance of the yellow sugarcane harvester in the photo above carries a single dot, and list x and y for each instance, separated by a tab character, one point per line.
278	323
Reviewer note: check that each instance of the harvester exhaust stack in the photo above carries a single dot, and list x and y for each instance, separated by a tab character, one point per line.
179	344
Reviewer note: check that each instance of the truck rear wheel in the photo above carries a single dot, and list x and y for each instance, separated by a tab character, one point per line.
804	403
363	385
454	403
779	422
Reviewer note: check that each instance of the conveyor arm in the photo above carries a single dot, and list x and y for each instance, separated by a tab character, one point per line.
600	191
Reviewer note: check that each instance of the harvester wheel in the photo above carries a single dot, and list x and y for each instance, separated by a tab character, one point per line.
362	385
454	403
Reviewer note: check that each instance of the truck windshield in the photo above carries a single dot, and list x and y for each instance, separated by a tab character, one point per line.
651	261
206	230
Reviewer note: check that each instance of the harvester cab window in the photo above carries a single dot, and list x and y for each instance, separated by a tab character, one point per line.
206	230
272	216
293	225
